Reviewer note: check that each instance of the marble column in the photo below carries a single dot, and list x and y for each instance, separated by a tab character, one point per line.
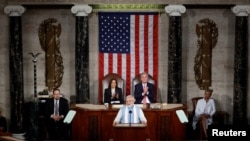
82	52
16	67
240	65
174	52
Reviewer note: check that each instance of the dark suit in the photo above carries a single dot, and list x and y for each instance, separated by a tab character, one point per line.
57	129
3	124
108	94
139	90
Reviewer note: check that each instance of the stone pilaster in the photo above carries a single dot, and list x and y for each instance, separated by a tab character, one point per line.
240	65
174	52
82	52
16	67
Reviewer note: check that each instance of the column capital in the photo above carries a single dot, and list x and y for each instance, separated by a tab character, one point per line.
175	10
241	10
14	10
81	10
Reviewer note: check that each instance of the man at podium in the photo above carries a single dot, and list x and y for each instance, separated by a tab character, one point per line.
130	113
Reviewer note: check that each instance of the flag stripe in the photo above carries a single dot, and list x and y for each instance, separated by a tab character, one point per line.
106	64
101	75
155	50
110	62
141	44
128	77
132	57
119	61
150	44
137	43
146	40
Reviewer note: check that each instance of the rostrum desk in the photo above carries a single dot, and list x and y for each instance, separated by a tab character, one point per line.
94	123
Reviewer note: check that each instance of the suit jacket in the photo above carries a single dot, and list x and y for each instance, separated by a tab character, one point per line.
139	90
108	94
3	123
63	107
57	130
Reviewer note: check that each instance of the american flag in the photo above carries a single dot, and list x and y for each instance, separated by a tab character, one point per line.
128	45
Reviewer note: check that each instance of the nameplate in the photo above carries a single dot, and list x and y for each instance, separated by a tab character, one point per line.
91	106
117	106
170	106
139	105
43	96
115	102
130	125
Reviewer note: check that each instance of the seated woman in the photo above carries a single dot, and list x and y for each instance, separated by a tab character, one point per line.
204	112
113	94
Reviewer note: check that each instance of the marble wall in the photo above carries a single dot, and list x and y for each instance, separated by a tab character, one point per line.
4	63
222	55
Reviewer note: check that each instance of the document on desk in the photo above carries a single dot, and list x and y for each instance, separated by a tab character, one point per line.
91	106
130	125
69	117
182	116
115	102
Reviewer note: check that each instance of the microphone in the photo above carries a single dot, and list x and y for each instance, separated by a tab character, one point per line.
130	112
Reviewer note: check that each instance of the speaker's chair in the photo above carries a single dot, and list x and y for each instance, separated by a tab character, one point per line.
106	80
137	79
220	118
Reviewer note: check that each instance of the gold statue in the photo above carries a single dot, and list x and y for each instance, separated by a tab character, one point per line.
49	32
207	33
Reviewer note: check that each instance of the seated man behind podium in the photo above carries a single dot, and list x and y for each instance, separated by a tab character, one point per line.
144	91
113	93
56	109
130	113
204	111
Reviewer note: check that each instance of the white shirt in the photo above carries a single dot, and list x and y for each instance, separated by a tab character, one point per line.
204	107
147	100
140	114
112	90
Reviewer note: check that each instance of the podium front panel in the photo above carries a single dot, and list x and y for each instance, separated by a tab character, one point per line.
97	125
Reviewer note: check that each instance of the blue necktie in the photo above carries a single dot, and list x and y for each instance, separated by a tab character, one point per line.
131	115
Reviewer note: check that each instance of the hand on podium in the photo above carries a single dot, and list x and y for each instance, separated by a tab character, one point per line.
144	122
114	123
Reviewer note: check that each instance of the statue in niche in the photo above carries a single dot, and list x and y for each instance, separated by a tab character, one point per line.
207	33
49	32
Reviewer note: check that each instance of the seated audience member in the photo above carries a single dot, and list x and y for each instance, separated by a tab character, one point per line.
3	122
204	111
130	113
56	110
144	91
113	93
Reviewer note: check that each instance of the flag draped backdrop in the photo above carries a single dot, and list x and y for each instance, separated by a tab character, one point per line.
128	45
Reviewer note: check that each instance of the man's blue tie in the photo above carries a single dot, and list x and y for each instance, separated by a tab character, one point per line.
131	115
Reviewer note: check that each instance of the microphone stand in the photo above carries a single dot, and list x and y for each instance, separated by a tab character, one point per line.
130	112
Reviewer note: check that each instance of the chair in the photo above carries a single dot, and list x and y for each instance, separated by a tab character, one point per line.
137	80
106	80
194	101
219	118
